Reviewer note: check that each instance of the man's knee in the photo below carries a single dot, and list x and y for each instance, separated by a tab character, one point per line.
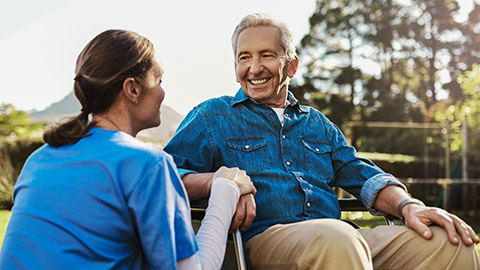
341	246
336	233
398	247
458	256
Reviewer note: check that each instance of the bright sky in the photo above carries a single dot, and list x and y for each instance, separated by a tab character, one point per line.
40	41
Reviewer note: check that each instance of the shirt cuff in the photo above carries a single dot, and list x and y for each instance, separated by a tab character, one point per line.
373	186
183	172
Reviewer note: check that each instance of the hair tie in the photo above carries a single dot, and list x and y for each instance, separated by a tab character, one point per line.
77	78
85	111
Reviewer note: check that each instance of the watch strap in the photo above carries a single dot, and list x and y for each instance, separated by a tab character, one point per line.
402	204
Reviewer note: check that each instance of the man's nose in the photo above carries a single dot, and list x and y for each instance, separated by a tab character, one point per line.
256	66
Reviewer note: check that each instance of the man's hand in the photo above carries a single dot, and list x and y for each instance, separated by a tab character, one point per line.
246	212
418	218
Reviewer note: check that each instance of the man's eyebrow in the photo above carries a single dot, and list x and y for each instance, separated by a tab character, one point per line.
243	52
261	52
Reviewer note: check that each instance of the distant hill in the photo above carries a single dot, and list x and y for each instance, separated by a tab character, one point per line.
69	106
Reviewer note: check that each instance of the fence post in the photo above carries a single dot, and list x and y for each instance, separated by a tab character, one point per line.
465	165
447	149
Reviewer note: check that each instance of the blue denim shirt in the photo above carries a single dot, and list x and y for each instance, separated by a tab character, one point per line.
294	166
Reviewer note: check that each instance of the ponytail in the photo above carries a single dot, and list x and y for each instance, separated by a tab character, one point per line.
74	128
69	132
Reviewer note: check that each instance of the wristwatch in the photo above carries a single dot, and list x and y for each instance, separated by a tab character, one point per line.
402	204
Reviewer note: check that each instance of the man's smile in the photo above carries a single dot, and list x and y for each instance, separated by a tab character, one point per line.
259	81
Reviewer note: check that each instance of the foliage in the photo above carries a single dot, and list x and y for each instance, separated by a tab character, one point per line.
4	218
18	139
15	124
387	60
7	180
470	108
12	157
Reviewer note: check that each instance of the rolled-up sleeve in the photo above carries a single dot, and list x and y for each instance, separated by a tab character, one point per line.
373	186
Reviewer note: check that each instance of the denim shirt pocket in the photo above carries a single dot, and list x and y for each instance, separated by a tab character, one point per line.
318	156
249	153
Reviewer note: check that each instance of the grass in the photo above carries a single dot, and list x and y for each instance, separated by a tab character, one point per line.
4	218
362	219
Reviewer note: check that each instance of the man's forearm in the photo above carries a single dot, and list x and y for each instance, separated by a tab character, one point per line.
198	185
388	199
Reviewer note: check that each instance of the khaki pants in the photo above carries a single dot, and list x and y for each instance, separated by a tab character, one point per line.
334	244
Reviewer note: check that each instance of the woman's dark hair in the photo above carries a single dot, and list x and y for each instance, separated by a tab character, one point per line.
102	67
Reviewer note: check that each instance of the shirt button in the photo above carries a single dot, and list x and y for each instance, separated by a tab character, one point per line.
300	178
288	163
283	136
286	114
308	204
316	149
247	146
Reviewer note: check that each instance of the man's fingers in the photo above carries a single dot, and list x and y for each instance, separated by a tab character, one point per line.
441	218
419	217
245	214
420	227
250	212
466	232
239	215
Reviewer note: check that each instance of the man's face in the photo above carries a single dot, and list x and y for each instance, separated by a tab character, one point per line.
261	67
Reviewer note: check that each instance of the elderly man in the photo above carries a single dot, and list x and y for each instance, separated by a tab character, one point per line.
294	156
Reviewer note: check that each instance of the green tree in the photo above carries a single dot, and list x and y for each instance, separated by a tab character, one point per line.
392	60
14	123
328	54
470	108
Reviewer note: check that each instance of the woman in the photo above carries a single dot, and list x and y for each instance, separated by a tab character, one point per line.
94	197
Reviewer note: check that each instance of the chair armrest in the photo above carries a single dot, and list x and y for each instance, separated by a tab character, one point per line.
351	204
198	208
200	203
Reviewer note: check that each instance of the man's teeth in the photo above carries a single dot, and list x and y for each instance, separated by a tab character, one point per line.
258	81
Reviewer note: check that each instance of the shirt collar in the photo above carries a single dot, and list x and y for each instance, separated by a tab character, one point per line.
241	97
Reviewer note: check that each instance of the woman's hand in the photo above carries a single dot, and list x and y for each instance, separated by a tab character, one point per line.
239	177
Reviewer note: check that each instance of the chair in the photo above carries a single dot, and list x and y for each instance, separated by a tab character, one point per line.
354	205
235	255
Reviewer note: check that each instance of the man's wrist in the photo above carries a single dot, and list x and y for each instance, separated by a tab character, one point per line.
403	203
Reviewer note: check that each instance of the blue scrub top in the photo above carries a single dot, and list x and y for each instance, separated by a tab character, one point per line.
108	201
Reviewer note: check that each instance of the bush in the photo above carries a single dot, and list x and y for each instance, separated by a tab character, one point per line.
7	180
12	157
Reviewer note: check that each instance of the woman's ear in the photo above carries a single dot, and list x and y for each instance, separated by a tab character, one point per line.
131	89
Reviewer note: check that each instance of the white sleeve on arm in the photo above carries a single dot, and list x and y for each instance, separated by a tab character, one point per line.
213	233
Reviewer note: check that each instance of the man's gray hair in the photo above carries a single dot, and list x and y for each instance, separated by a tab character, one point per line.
260	19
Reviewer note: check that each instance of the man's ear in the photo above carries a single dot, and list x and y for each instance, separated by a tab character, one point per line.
131	89
292	68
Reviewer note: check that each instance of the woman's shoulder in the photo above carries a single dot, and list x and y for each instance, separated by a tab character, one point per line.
119	146
138	148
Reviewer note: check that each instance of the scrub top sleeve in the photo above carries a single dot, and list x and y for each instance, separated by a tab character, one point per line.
161	215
